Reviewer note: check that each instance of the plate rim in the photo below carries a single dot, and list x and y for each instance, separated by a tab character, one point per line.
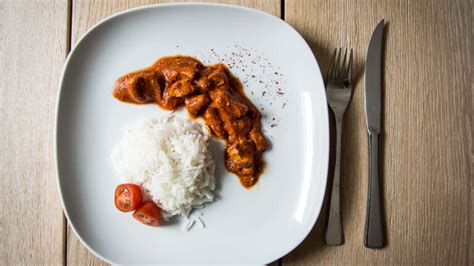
325	167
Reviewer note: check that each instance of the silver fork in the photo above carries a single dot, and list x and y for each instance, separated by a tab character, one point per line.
338	91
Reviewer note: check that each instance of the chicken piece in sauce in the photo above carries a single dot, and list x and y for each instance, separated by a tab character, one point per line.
214	122
210	92
195	104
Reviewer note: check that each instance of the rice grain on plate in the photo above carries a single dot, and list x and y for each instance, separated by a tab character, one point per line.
169	157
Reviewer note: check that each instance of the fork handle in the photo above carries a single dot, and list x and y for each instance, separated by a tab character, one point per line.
334	234
374	236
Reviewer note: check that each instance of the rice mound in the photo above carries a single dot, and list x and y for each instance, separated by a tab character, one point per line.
170	159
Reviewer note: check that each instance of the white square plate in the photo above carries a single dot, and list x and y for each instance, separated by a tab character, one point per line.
281	77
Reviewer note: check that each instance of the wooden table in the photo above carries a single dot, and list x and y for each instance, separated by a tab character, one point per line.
428	148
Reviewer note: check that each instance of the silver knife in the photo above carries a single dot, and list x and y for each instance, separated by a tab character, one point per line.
374	230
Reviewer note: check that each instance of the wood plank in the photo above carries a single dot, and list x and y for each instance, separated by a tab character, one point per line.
428	129
32	52
87	13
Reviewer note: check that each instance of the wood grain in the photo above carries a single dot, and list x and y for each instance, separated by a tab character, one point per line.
428	148
87	13
427	117
32	52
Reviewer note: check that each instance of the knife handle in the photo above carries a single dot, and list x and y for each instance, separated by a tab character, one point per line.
374	235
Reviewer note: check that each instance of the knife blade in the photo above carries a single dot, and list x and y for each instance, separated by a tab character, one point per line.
374	229
373	79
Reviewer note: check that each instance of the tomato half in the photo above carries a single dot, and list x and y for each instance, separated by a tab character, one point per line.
148	214
128	197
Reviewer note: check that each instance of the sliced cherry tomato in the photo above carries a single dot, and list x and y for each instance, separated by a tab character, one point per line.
128	197
148	214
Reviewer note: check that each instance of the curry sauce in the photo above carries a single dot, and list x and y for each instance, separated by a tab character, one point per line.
210	92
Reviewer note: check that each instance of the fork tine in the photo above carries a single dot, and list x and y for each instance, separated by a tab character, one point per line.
349	68
336	71
343	65
331	66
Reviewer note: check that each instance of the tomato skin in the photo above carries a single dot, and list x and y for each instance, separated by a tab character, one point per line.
128	197
148	214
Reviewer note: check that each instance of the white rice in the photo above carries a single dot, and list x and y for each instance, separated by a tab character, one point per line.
169	158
